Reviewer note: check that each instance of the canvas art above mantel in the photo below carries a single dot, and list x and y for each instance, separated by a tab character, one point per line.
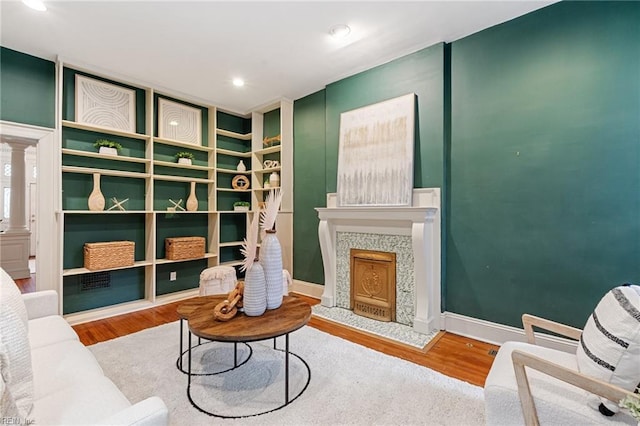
375	154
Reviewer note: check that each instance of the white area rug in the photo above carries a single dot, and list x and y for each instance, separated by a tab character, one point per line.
350	384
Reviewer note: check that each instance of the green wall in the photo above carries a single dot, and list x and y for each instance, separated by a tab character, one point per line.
309	185
545	171
27	89
316	148
421	73
532	130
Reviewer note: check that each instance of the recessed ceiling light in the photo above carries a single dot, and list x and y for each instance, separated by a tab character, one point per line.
238	82
35	4
173	123
339	31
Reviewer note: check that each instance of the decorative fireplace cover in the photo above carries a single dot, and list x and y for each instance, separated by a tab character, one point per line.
373	284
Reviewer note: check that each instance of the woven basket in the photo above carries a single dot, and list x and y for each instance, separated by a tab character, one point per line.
179	248
112	254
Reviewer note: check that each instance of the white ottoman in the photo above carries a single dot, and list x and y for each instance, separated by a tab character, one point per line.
217	280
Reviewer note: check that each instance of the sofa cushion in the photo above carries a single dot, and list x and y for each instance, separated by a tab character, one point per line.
609	348
84	403
61	365
15	368
49	330
557	403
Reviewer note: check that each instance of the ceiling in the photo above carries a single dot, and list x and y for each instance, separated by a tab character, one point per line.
194	49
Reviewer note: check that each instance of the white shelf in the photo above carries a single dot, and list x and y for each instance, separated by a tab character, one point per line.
182	144
231	244
269	170
106	172
181	166
164	261
233	190
185	212
181	179
244	137
100	129
269	150
82	271
234	211
233	153
114	211
233	172
90	154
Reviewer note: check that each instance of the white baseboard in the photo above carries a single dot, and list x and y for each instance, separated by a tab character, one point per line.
462	325
307	289
497	334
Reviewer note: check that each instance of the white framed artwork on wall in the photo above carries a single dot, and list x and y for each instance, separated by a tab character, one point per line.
179	122
103	104
375	154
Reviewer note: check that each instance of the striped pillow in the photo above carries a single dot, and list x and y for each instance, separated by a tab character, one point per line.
609	348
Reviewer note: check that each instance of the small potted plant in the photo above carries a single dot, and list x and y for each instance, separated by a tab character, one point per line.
107	147
241	206
184	157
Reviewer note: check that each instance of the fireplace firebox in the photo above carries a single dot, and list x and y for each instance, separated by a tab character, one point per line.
373	284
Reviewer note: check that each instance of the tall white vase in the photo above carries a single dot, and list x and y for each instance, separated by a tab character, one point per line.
96	199
192	201
254	298
271	259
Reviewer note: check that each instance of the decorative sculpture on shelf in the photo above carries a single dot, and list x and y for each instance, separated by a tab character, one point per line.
240	182
117	204
271	141
176	205
192	201
96	199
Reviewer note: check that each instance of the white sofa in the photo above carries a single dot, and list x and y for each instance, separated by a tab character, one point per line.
68	386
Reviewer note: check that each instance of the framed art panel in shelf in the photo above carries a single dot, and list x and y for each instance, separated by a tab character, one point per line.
106	105
179	122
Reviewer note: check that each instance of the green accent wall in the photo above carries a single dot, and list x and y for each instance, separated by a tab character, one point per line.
27	89
309	188
545	170
421	73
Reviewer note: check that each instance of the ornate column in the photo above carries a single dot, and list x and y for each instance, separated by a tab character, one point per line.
14	242
18	221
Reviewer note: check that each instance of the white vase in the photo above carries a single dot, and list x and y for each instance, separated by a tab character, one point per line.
254	298
241	167
96	199
192	201
274	180
271	260
184	161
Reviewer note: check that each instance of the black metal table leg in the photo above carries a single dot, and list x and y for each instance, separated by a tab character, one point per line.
180	356
286	368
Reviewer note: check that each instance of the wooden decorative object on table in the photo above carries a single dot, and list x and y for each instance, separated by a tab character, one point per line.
179	248
105	255
240	182
228	308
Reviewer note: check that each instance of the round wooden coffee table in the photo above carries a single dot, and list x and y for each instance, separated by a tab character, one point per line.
292	315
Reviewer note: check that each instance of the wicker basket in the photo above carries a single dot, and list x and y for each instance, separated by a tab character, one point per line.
184	247
112	254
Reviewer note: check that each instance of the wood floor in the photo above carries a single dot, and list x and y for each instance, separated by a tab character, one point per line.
455	356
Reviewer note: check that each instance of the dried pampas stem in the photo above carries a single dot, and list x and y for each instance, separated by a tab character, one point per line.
272	205
250	245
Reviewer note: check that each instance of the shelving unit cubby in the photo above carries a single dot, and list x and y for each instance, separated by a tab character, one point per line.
146	173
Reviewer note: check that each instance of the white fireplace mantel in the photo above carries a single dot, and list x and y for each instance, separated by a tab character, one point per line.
421	221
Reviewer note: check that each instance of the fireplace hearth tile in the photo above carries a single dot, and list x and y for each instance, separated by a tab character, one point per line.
391	330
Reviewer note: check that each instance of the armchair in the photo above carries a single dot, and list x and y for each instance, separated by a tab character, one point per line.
532	385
